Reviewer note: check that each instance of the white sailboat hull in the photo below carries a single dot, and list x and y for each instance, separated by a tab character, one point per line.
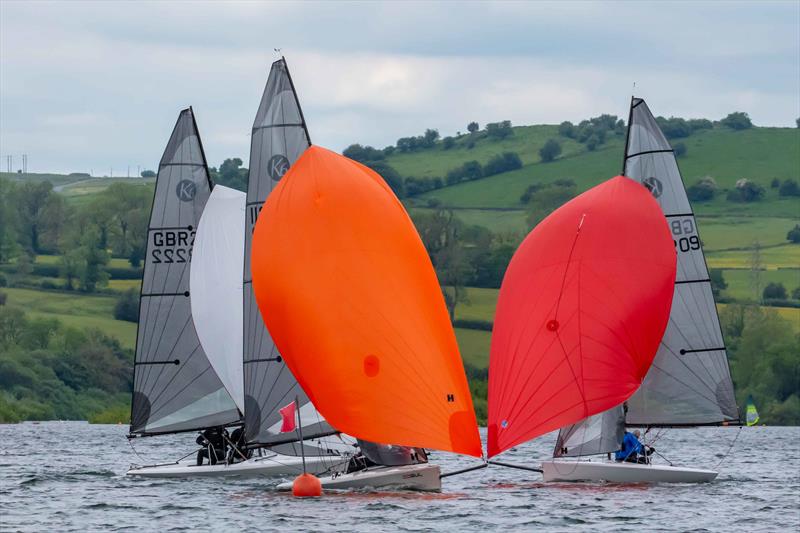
566	470
409	477
271	466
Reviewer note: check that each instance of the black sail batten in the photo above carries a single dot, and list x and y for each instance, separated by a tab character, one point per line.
279	138
170	397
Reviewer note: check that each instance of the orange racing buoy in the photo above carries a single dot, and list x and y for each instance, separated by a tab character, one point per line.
307	486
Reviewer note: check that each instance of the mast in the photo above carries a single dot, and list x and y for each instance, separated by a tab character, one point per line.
175	386
279	137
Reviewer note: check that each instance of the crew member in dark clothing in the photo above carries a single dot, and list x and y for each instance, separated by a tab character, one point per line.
238	452
213	445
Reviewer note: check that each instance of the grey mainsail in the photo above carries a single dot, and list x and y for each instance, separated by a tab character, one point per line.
279	137
175	387
690	380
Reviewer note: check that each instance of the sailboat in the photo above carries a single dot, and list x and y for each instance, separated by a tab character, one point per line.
349	295
176	387
582	308
279	137
689	383
750	412
217	309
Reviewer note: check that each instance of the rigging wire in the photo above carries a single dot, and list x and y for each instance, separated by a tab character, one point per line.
730	448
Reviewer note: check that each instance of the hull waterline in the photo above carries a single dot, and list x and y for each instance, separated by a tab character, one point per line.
564	470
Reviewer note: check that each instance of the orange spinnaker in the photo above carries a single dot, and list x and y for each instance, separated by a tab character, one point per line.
353	304
581	312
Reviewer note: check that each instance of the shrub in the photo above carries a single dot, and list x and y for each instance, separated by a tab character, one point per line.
48	285
472	127
471	170
499	130
148	174
679	149
718	282
703	190
774	291
550	150
3	280
448	143
699	124
794	234
789	188
3	298
363	154
737	121
674	127
390	176
483	325
746	191
127	306
775	183
124	272
502	163
567	129
796	293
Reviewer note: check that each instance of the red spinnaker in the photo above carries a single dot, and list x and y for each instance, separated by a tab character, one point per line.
581	312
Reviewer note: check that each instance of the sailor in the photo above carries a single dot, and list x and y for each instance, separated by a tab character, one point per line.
633	451
213	445
238	451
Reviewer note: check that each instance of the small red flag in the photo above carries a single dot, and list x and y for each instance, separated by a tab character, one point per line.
287	413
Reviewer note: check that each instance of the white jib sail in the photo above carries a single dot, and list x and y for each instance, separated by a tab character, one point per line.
215	279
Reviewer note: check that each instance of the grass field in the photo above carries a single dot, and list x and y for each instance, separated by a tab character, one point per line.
474	346
75	310
82	192
740	284
115	262
55	179
785	256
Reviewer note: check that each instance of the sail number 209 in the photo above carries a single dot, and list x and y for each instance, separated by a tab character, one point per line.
172	246
684	235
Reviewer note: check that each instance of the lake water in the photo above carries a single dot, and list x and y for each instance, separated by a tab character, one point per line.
69	476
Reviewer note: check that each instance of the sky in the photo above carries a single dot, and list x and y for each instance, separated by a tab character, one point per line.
97	86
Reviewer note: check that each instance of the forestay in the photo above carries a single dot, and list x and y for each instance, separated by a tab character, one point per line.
279	137
175	387
690	381
215	284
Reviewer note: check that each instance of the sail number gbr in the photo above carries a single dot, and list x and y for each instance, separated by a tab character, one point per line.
684	234
171	246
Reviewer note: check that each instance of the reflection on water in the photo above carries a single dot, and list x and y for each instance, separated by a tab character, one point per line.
70	477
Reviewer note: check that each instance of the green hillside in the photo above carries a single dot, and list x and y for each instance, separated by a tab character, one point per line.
491	215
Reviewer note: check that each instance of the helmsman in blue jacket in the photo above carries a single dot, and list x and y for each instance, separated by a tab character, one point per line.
632	450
